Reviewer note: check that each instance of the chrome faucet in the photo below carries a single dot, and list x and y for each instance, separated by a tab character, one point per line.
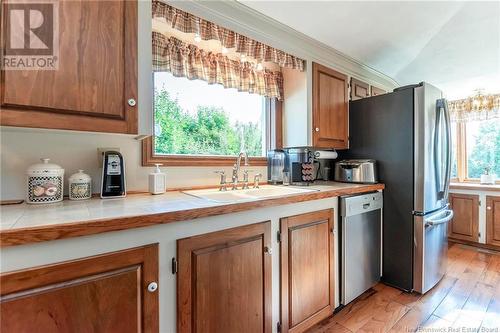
222	184
234	178
245	180
236	169
238	160
256	180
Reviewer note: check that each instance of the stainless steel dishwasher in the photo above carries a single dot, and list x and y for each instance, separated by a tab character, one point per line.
360	243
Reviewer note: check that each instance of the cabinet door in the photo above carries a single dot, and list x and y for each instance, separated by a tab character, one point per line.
96	75
377	91
330	108
105	293
359	89
493	220
307	270
465	223
224	281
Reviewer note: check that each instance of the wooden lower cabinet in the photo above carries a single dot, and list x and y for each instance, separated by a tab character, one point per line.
224	281
307	270
465	223
493	220
104	293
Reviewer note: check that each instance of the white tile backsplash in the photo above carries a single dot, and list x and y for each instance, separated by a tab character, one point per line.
21	147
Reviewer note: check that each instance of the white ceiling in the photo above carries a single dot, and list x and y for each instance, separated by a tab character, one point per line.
454	44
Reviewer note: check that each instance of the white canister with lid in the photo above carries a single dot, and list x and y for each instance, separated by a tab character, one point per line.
80	186
44	183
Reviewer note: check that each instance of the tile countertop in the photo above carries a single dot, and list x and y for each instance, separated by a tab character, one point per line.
23	223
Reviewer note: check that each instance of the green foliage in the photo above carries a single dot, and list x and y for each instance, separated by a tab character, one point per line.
208	132
486	152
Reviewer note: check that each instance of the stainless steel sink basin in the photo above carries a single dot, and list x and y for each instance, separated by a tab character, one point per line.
265	191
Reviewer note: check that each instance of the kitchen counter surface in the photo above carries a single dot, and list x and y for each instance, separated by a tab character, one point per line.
23	223
475	187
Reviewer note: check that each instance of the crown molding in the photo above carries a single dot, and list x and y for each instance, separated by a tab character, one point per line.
242	19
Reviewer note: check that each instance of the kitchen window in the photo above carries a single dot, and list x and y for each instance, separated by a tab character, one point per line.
216	92
195	118
454	171
477	147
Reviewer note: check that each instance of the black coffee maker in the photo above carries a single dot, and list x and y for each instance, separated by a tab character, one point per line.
300	164
113	175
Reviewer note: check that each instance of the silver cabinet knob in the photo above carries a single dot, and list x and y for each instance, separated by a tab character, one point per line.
268	250
488	208
152	287
317	129
131	102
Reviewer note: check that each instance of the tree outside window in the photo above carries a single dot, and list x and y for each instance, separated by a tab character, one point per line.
195	118
483	147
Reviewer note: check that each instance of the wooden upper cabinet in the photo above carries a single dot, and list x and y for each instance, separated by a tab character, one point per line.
359	89
105	293
493	220
224	281
307	270
330	108
377	91
96	75
465	223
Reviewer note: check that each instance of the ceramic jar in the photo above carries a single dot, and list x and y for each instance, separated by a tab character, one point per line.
44	183
80	186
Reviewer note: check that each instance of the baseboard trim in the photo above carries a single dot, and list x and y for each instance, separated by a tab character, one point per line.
474	244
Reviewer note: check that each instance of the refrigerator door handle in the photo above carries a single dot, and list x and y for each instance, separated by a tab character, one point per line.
447	218
442	178
448	149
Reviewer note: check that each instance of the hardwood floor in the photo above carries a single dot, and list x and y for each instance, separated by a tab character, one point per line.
466	300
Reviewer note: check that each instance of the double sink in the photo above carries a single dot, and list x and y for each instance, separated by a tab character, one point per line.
263	192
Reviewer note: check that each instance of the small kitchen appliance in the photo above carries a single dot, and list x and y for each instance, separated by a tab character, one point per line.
44	182
113	175
356	171
300	165
275	166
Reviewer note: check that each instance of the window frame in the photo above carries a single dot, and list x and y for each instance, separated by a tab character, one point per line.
461	156
274	140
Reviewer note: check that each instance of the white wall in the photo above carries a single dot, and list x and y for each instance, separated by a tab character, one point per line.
21	147
295	122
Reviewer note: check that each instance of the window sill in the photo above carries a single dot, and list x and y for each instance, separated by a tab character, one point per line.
150	159
474	186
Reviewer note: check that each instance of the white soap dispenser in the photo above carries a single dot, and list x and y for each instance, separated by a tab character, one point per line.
157	181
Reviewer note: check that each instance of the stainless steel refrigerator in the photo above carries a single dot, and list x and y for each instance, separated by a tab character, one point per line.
408	133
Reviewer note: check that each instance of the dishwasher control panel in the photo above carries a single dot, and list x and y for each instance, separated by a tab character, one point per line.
361	203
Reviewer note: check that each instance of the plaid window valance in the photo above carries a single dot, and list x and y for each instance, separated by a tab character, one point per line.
187	60
189	23
479	107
